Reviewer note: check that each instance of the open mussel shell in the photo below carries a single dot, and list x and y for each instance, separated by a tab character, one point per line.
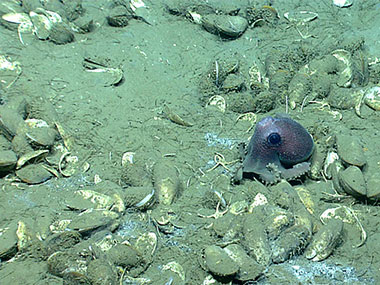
10	71
69	164
13	20
31	156
345	69
42	25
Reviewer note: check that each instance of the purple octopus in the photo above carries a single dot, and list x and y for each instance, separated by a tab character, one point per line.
278	150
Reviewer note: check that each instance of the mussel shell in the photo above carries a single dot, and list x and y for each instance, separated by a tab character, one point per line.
350	150
41	137
225	26
60	34
373	189
8	160
63	240
10	122
99	271
343	3
33	174
8	242
166	182
62	262
42	25
117	20
249	268
4	143
372	97
118	16
31	156
325	241
124	255
352	181
83	25
94	220
219	262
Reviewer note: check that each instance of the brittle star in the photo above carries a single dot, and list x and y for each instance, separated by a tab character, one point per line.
217	213
220	160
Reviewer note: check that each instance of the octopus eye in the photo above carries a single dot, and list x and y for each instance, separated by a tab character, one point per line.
274	139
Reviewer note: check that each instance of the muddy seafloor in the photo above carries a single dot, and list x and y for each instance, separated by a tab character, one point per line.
170	68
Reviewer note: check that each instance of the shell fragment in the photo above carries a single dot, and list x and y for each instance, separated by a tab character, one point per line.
9	69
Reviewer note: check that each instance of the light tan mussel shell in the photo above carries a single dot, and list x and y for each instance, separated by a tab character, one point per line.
10	71
91	199
146	245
